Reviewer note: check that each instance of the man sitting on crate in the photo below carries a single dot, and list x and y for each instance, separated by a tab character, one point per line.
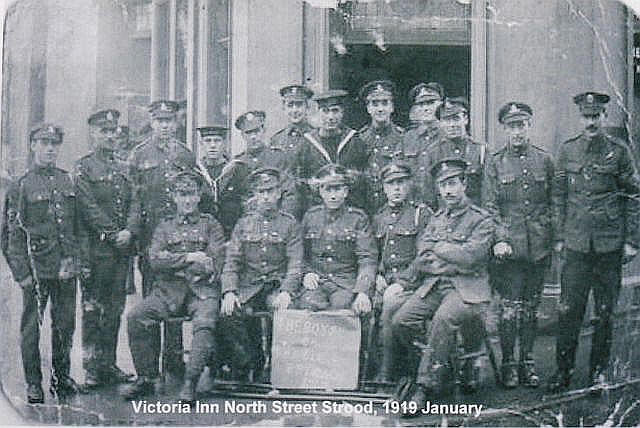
340	255
261	272
186	255
454	293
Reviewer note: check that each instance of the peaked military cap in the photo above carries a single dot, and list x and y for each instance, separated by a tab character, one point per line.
250	120
207	131
331	97
296	92
47	131
105	118
163	109
591	102
331	174
395	170
377	89
447	167
264	179
187	181
452	107
426	92
514	111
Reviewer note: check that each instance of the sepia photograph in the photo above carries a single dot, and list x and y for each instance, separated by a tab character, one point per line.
320	213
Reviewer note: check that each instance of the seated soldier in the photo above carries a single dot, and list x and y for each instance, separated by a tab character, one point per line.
186	255
339	249
451	269
261	271
396	227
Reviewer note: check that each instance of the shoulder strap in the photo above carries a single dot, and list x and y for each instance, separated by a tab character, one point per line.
319	147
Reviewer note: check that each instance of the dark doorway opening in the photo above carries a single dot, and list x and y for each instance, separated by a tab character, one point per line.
406	65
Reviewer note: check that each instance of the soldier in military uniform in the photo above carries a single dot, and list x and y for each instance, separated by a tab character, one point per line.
451	273
42	256
151	164
332	143
223	175
382	137
595	201
423	133
261	271
517	190
186	253
103	195
396	228
340	253
455	141
289	140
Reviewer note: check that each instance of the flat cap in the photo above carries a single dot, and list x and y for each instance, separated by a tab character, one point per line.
163	108
250	120
377	89
514	111
591	102
47	131
296	92
395	170
425	92
264	179
207	131
452	107
331	97
448	167
105	118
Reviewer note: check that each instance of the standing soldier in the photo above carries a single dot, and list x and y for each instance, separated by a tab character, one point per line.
261	271
332	143
42	255
396	228
422	135
454	120
340	253
382	137
451	273
103	193
225	176
186	254
151	164
295	102
517	189
595	201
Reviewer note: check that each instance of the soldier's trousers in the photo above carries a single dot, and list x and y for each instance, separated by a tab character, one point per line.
327	296
448	313
144	328
390	346
519	284
63	323
583	272
103	299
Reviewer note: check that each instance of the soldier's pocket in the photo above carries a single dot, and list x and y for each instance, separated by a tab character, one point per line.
507	186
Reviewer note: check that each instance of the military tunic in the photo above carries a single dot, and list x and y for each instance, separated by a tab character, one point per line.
104	198
396	229
517	189
181	288
416	146
451	271
339	247
596	211
43	201
264	257
383	144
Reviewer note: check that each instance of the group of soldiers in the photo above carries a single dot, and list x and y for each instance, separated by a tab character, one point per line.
422	226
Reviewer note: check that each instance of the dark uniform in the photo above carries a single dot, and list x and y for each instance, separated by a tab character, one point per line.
471	151
396	228
339	247
453	293
340	146
181	287
263	258
418	141
103	193
595	191
383	141
41	213
517	190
